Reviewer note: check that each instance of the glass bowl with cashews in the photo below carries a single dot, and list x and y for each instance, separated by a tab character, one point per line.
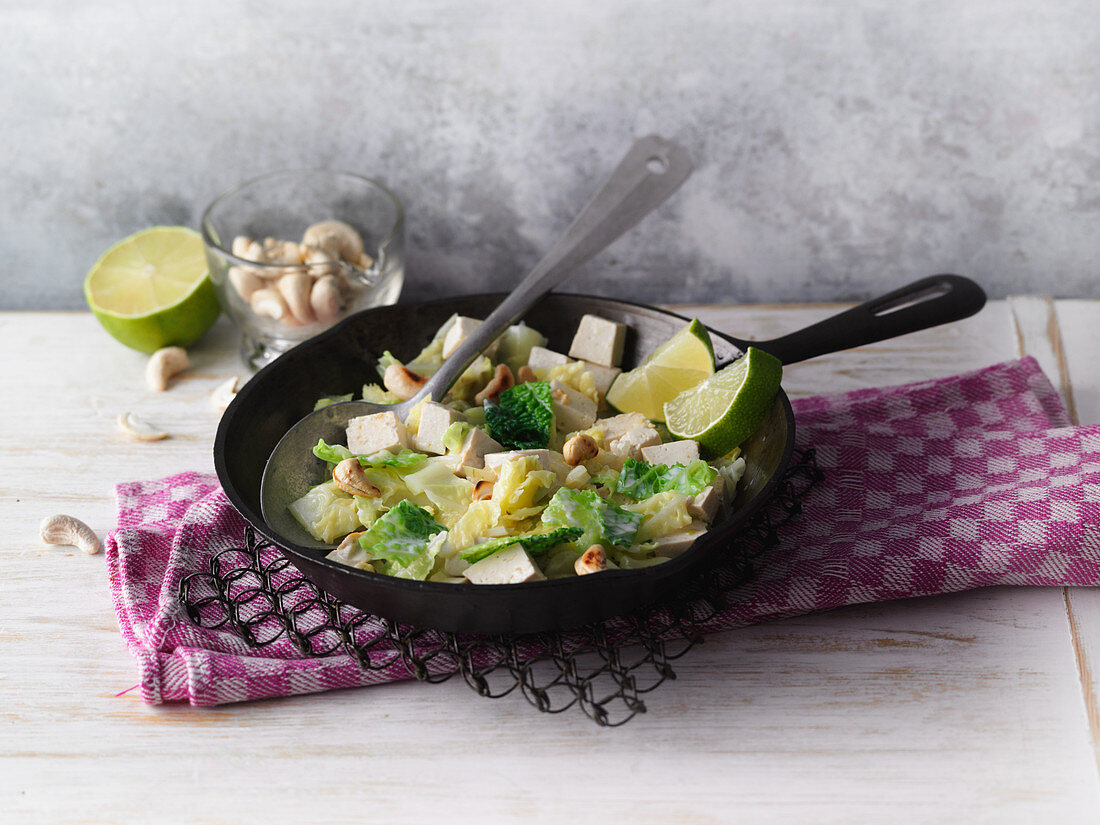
293	252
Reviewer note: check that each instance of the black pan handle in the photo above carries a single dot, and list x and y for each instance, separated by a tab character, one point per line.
926	303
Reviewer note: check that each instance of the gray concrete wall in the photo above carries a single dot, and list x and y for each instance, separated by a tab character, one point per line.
841	147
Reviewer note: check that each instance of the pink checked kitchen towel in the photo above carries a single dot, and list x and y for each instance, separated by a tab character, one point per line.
935	487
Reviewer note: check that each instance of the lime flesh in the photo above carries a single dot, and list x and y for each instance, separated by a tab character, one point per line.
152	290
725	409
684	360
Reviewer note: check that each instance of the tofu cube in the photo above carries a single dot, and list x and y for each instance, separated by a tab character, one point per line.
675	544
706	504
674	452
603	376
460	330
599	341
543	358
494	460
627	434
477	445
434	421
368	434
511	565
573	410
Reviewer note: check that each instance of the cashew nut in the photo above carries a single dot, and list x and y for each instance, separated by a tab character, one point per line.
350	478
350	540
163	364
224	393
579	449
270	303
365	261
248	249
502	380
325	298
318	261
337	238
525	375
281	252
483	491
592	560
402	382
245	281
62	529
139	429
295	288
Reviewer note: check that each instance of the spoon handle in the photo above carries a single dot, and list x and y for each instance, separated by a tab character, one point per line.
650	172
926	303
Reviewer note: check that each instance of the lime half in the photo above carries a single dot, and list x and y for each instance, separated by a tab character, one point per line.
151	290
725	409
680	363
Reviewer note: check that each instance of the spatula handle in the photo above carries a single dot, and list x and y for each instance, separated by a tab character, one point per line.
926	303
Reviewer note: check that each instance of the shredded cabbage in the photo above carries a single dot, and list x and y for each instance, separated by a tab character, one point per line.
515	345
430	358
326	513
521	489
602	522
523	417
574	374
450	494
473	380
401	535
662	514
640	480
378	395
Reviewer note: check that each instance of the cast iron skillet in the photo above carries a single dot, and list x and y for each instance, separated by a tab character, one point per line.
341	360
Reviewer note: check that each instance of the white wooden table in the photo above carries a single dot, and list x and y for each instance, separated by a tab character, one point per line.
976	707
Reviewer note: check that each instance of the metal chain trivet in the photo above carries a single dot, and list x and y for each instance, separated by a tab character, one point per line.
603	668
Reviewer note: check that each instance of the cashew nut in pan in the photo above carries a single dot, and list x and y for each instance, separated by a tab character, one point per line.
402	382
502	380
525	375
579	449
62	529
349	477
163	365
337	238
592	560
483	490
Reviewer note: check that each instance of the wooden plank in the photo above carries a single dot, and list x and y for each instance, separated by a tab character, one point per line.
1079	330
961	708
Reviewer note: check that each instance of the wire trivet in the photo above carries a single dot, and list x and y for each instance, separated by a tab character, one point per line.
603	668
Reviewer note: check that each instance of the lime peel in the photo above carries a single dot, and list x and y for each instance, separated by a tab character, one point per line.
725	409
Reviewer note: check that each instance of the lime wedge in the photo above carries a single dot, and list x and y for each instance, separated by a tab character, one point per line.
680	363
151	290
724	410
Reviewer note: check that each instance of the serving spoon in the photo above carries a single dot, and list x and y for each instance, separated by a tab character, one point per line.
648	174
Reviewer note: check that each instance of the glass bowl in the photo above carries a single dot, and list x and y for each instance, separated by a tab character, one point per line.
291	253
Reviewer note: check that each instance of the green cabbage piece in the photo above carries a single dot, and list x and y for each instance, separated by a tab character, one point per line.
455	436
515	345
378	395
326	513
662	515
430	358
640	480
328	400
449	494
523	417
535	544
335	453
401	535
600	521
421	567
